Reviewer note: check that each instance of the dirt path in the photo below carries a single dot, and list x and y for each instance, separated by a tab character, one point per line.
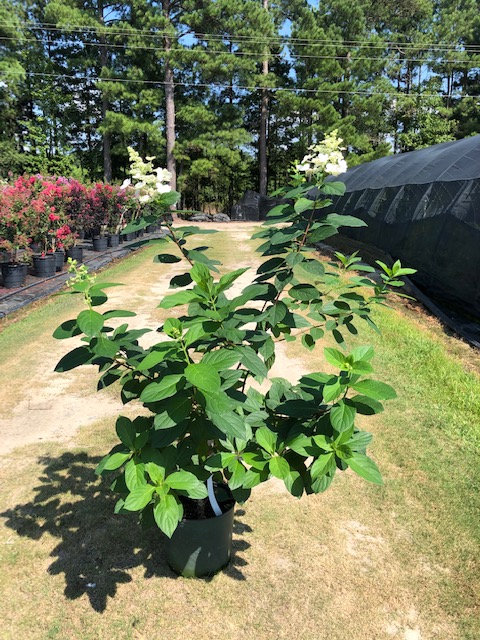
54	406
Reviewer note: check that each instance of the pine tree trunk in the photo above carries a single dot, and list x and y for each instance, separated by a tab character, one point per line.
169	103
262	141
107	143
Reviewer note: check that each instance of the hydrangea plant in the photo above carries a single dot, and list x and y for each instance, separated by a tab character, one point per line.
199	415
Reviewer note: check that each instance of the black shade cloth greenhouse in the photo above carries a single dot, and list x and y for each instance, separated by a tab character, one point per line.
424	208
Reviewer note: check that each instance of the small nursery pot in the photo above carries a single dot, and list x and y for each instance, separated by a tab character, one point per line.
13	274
45	266
100	244
75	253
202	547
114	240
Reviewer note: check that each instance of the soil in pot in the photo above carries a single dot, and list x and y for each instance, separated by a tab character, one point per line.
202	543
14	274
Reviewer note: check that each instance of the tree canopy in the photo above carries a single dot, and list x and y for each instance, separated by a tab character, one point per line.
226	92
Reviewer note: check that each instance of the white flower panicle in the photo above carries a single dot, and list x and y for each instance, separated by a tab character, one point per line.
148	182
324	158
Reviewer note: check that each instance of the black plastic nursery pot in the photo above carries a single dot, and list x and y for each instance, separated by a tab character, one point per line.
45	266
75	253
13	274
59	260
114	240
201	547
100	244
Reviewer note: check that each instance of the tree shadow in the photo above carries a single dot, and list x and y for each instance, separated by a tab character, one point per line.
96	548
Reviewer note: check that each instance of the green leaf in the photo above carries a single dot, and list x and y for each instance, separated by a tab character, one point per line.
116	460
266	439
294	258
219	461
198	256
304	292
374	389
195	332
168	386
252	478
67	329
177	299
322	465
321	233
200	273
344	221
314	267
366	406
277	313
280	210
203	376
332	390
279	467
303	204
365	352
176	410
166	258
228	279
335	357
219	410
139	497
168	513
134	474
126	432
360	440
252	362
173	327
158	353
103	346
333	188
118	313
186	481
271	265
90	322
294	483
322	483
342	416
308	342
365	467
74	358
221	359
156	472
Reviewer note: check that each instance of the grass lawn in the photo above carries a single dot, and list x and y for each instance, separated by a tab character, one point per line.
360	561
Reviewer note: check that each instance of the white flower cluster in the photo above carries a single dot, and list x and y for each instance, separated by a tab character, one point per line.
150	182
324	158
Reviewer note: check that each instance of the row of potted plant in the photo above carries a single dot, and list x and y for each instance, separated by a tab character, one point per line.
42	216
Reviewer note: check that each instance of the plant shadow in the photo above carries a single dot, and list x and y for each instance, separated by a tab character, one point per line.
96	548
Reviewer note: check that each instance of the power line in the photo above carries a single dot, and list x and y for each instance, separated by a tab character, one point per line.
259	54
265	39
236	87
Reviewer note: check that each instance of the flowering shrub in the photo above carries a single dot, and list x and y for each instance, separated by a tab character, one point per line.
202	420
325	158
18	216
49	212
